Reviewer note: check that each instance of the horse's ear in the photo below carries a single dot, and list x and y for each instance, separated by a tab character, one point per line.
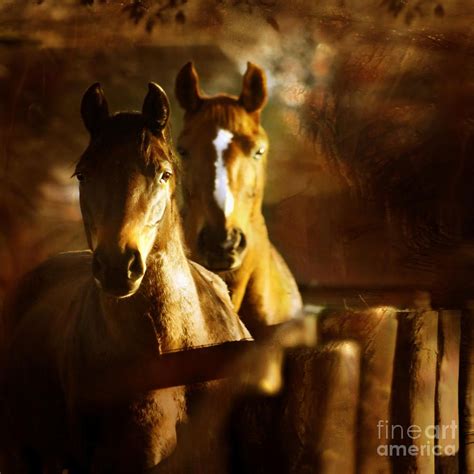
94	108
187	88
156	108
254	89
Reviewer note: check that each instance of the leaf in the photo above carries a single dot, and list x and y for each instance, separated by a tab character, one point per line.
409	17
273	23
150	24
180	18
439	10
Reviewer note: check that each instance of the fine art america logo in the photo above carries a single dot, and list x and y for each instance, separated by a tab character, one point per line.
415	440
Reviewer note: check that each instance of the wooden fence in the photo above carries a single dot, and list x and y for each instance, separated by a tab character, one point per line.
387	390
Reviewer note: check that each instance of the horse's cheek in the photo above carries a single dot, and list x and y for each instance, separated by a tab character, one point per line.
158	207
152	224
89	225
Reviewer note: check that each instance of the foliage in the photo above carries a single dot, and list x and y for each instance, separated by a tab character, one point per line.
153	12
411	10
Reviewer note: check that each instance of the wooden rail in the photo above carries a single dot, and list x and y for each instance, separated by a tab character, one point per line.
197	365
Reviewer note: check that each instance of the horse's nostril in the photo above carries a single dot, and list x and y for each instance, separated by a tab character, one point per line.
205	239
135	266
225	241
236	240
242	243
232	240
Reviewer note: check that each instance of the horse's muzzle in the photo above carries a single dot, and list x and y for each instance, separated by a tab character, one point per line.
222	250
118	273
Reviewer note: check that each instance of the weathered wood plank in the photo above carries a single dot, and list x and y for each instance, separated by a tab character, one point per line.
449	342
319	427
422	388
244	359
167	370
467	386
376	331
376	386
413	392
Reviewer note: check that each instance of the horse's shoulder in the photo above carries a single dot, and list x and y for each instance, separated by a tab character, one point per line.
61	274
58	267
279	261
64	269
287	283
281	267
73	261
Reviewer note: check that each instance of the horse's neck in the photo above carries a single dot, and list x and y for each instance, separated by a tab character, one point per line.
256	261
174	304
264	291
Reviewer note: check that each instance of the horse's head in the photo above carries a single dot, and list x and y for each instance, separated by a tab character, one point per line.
126	181
223	149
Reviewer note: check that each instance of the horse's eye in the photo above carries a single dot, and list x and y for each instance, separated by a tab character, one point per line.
165	176
183	153
80	176
259	153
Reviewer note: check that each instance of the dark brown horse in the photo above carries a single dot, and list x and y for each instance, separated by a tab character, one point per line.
133	296
224	151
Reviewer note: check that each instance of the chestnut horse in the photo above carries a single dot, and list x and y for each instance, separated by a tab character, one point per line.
224	152
133	295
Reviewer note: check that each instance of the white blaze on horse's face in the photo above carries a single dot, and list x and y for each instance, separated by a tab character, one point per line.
222	193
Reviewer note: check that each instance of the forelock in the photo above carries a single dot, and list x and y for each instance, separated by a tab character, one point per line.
129	129
226	113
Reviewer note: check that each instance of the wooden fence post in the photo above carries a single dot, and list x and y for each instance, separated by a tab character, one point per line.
467	393
319	426
375	329
413	393
447	399
376	387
